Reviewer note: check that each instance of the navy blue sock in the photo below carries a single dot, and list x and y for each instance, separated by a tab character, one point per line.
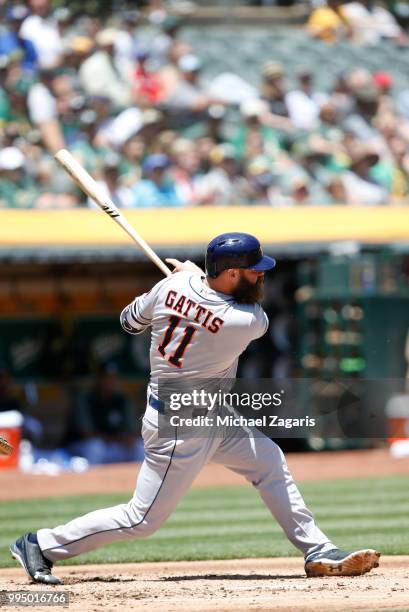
32	537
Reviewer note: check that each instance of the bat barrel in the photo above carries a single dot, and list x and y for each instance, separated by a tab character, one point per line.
89	186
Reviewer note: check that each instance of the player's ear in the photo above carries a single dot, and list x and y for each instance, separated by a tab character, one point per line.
233	273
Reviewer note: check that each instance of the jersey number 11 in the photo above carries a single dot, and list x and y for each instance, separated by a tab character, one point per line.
188	333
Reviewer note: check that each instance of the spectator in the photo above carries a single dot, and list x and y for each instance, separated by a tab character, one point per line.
54	190
391	172
204	148
300	192
43	111
17	188
360	187
103	424
85	148
359	123
311	159
336	190
152	128
402	103
169	74
69	103
185	171
264	184
223	184
273	89
41	28
212	125
323	152
110	184
146	84
92	25
328	136
102	107
383	81
329	22
157	11
303	103
12	41
125	42
156	188
99	74
162	144
63	17
5	106
253	137
76	49
341	95
399	179
371	22
162	43
132	153
189	94
15	108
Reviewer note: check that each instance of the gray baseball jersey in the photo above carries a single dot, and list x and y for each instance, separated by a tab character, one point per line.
196	332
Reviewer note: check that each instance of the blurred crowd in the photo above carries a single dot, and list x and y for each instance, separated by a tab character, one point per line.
130	102
364	22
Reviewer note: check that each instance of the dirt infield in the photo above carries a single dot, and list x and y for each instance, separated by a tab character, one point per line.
245	584
121	478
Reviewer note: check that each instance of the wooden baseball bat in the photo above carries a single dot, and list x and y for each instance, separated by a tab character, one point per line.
89	186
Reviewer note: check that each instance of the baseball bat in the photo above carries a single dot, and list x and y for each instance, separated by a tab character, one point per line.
89	186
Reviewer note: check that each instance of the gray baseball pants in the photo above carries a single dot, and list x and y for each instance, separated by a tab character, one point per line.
169	468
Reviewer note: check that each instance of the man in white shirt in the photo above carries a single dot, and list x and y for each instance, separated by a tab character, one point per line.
303	103
42	30
371	22
43	111
99	74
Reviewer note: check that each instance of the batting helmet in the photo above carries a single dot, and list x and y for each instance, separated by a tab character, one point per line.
236	250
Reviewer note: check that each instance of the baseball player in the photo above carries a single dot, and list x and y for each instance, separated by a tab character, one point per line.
200	324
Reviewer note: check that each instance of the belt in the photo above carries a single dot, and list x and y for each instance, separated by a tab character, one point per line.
156	404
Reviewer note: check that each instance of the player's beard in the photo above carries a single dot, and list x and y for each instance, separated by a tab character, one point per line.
247	292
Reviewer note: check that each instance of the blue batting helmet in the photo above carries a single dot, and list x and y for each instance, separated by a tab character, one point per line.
236	250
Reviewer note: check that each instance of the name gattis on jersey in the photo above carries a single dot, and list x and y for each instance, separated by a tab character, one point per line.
190	309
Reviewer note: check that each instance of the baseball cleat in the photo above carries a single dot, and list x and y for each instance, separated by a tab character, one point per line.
340	563
32	560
